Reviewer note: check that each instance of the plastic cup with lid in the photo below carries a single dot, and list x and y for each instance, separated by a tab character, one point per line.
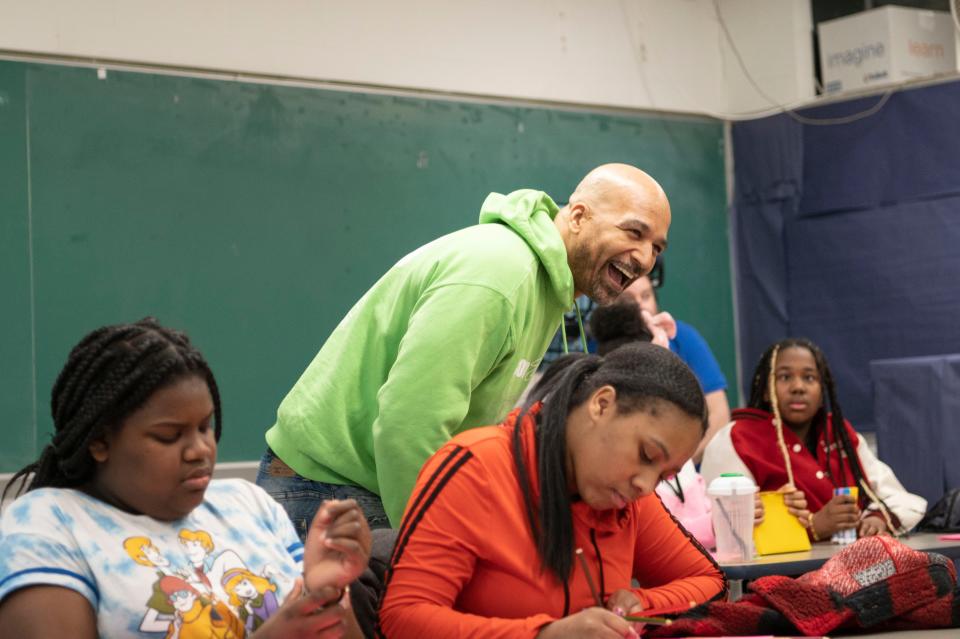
731	496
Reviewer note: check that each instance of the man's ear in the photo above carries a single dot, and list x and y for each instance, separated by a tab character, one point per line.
99	450
578	214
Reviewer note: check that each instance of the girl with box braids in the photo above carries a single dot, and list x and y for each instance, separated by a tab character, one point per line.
763	389
126	479
109	375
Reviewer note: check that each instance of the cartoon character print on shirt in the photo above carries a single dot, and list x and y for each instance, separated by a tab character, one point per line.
197	617
253	596
198	546
200	591
159	611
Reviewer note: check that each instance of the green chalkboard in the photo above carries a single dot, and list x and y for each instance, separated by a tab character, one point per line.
253	216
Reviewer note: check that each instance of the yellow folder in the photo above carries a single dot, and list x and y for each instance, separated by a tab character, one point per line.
780	531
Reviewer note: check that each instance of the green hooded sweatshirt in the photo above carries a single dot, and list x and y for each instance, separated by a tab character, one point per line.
446	340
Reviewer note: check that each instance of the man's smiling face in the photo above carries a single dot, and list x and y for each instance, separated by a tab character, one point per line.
618	242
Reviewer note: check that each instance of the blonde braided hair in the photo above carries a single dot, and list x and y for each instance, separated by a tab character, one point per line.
777	421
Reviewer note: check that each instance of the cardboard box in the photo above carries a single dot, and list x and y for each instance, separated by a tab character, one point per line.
886	45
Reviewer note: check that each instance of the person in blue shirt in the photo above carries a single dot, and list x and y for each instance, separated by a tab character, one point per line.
690	346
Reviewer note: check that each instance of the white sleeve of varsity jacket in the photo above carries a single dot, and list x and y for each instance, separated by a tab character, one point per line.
909	508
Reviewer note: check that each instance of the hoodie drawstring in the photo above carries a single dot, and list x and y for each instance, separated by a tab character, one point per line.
563	331
596	549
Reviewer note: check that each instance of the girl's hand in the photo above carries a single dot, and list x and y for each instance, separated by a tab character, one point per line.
796	503
872	525
315	615
338	546
840	513
589	623
623	602
758	512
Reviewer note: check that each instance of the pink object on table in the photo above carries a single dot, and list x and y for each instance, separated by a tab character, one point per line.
950	537
694	510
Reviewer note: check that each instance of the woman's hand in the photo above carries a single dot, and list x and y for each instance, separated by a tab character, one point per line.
840	513
624	602
589	623
338	546
315	616
872	525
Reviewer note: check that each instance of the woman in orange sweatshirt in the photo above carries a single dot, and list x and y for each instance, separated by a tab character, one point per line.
489	538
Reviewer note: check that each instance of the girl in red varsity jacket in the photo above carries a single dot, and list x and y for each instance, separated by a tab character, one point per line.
490	536
795	444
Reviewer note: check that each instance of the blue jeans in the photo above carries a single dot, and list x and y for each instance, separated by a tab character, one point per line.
301	497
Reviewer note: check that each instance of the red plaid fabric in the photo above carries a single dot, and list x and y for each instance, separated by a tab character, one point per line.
876	583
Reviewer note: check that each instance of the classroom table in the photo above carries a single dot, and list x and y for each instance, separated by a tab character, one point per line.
797	563
939	633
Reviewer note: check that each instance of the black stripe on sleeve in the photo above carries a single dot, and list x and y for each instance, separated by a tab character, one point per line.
458	457
405	523
414	517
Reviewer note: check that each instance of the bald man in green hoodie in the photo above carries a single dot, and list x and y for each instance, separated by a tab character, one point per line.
449	338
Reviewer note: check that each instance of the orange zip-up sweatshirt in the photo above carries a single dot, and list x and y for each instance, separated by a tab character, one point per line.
465	564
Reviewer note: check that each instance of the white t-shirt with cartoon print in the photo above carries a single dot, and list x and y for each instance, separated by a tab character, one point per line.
218	572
